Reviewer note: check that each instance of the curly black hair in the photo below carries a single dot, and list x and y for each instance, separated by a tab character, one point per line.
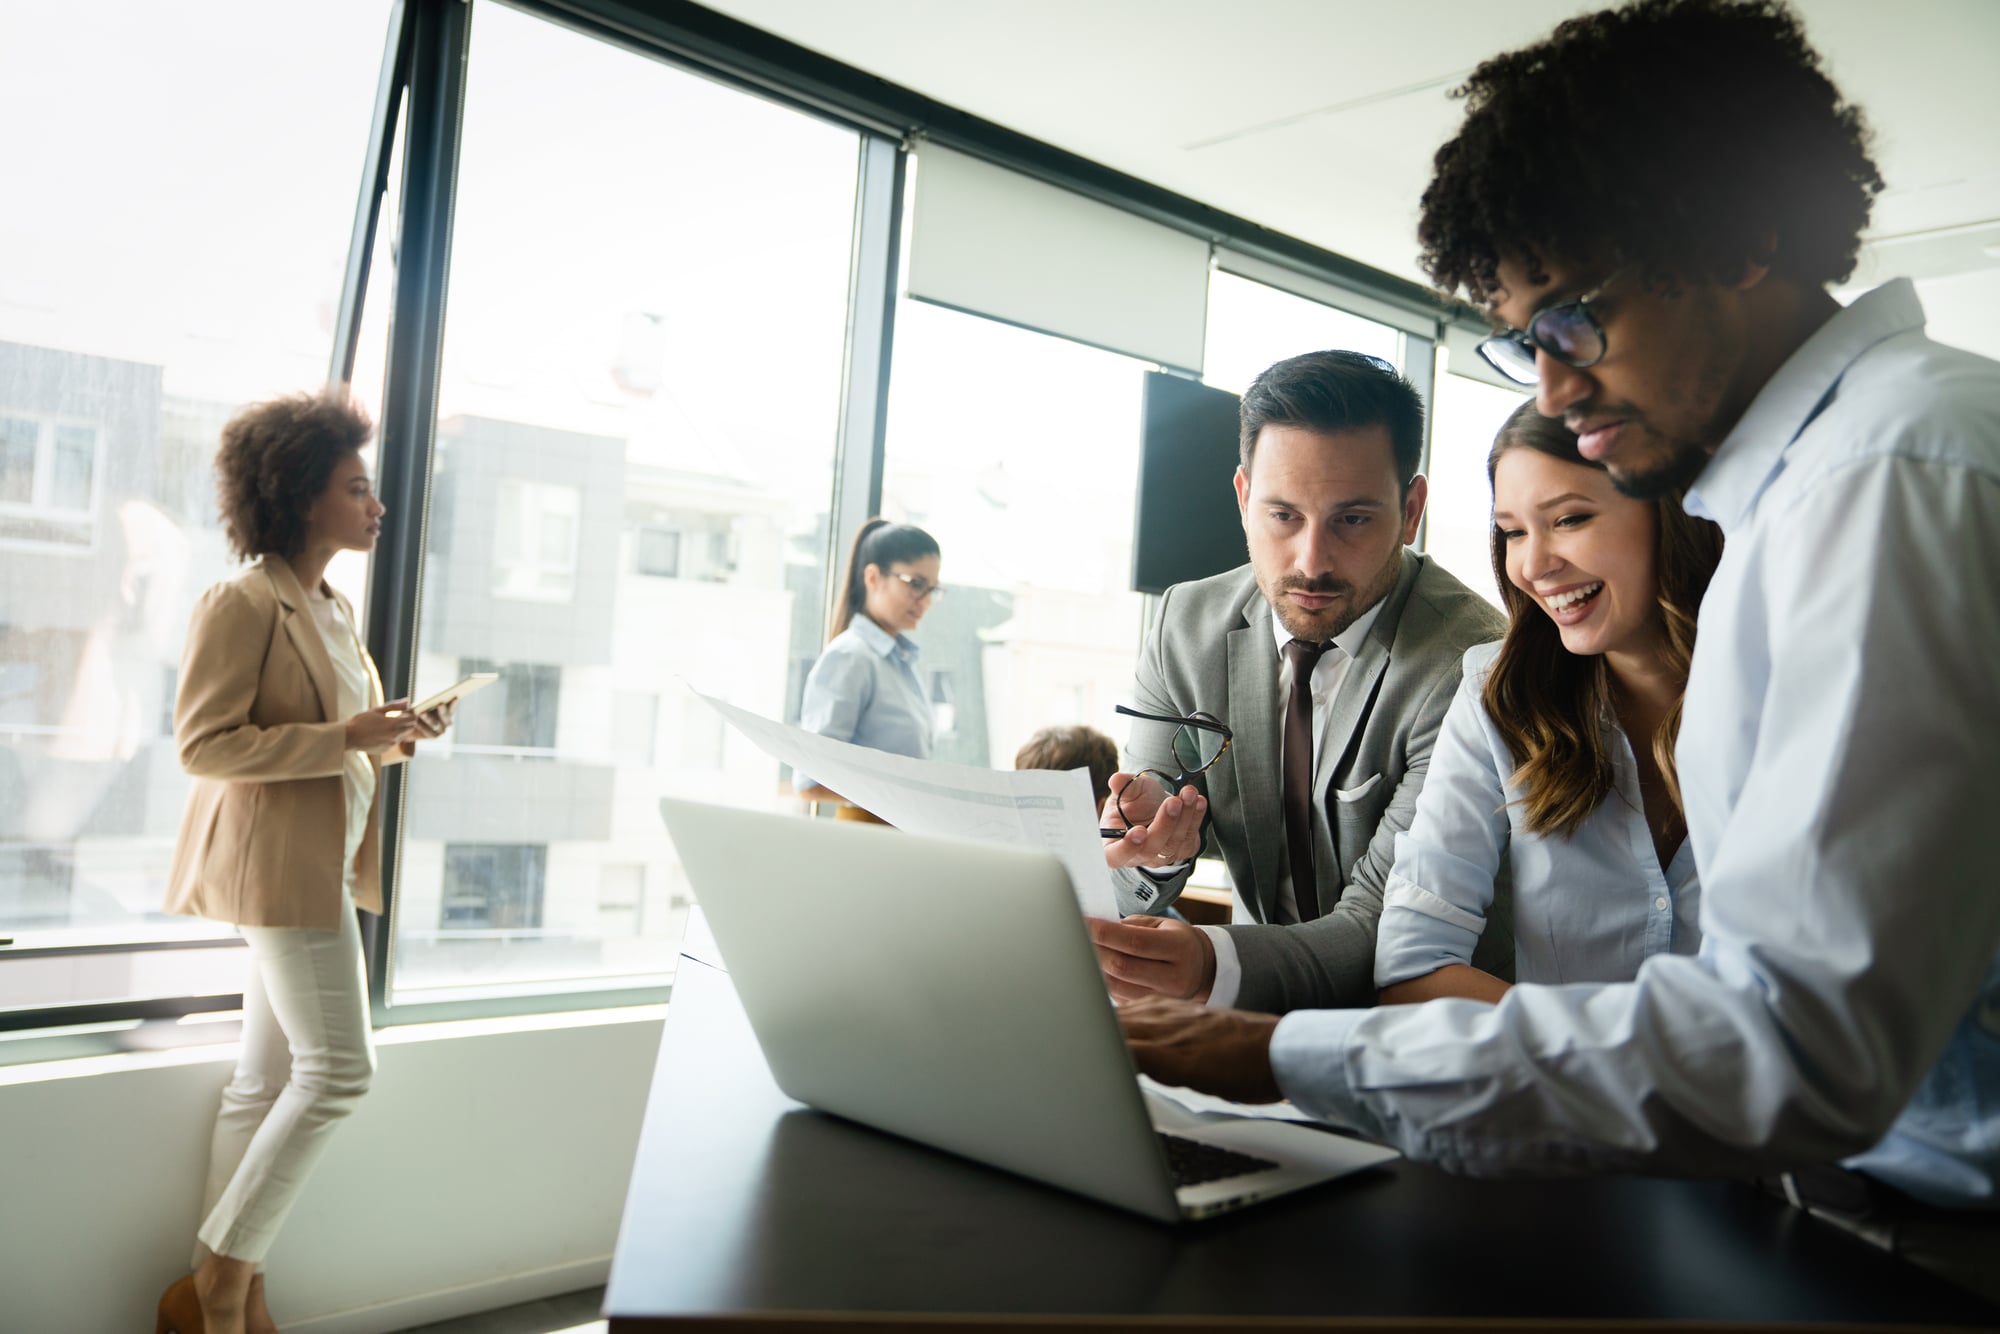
1678	136
275	460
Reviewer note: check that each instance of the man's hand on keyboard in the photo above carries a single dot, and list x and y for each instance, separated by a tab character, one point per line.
1224	1052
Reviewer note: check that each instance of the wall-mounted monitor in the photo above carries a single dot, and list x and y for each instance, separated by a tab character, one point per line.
1187	525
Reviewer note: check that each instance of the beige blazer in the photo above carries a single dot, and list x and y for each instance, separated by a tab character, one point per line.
257	722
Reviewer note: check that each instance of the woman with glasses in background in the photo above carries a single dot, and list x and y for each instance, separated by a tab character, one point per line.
866	688
1555	764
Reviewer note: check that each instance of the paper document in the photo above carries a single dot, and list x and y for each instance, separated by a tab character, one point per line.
1023	808
1173	1106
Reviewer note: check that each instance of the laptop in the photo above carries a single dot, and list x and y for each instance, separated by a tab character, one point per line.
947	992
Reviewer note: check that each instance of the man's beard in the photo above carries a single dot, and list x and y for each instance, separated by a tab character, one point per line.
1312	628
1669	473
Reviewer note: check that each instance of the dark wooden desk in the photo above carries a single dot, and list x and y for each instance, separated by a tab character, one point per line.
748	1212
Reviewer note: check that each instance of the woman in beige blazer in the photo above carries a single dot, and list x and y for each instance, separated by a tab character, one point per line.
280	719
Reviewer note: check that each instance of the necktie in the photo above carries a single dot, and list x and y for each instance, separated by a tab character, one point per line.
1299	775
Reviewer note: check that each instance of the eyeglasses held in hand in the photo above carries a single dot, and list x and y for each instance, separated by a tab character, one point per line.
920	587
1567	331
1199	741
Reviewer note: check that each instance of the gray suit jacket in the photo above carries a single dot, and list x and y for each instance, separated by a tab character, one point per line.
1213	651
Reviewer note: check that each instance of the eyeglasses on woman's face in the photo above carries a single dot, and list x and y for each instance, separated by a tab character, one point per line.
1199	741
1568	331
920	587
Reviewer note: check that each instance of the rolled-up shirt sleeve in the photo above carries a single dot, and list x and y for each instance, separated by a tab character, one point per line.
1441	885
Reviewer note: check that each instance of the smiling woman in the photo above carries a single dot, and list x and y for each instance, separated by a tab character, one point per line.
1568	727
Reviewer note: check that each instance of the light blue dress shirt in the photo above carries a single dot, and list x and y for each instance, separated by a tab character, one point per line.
1587	908
865	689
1843	797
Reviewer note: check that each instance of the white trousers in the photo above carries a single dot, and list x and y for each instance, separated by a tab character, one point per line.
307	1056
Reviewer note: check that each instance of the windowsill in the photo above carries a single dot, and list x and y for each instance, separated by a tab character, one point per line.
124	1062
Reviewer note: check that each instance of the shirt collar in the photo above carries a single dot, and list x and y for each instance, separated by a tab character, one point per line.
1753	451
880	640
1348	641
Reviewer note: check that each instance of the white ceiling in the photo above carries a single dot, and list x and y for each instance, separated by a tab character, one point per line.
1319	117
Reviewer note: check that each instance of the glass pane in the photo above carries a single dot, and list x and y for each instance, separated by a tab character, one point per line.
1459	524
1251	325
191	210
1031	500
642	372
19	440
75	465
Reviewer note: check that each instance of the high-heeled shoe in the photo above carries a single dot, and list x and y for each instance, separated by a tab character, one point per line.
180	1309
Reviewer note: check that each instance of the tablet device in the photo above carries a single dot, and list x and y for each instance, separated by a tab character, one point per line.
455	691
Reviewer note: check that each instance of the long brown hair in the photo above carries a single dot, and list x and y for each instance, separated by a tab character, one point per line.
881	544
1547	701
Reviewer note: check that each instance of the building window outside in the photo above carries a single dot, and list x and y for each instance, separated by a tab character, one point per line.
48	479
518	712
493	887
659	552
537	538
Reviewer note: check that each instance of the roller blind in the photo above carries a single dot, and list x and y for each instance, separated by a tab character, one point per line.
996	243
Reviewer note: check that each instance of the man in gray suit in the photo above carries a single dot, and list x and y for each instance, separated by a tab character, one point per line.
1324	769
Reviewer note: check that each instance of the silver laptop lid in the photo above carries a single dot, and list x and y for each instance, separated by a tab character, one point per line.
939	990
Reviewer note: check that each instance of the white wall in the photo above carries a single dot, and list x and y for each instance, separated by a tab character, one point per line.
487	1166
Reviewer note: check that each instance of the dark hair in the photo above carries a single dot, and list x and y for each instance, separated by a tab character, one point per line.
275	460
1336	391
1702	130
881	544
1073	747
1546	701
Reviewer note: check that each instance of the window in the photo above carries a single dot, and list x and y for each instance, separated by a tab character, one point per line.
48	474
516	713
1458	530
493	887
659	552
634	250
1252	325
1032	505
536	550
123	348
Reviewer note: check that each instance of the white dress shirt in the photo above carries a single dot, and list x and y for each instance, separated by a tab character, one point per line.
357	774
1836	756
1328	675
1591	906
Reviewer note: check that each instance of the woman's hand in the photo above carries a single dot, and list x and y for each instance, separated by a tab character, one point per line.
431	725
381	728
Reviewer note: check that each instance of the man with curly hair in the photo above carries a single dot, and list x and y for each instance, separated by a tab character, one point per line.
1651	204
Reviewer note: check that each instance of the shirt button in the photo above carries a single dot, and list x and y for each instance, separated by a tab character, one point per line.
1660	903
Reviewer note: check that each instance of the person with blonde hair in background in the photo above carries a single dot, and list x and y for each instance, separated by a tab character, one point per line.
865	688
281	721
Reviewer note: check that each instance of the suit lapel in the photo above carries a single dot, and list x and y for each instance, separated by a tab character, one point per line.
1364	676
305	635
1255	717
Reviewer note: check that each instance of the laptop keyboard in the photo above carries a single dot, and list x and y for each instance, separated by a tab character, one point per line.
1193	1162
